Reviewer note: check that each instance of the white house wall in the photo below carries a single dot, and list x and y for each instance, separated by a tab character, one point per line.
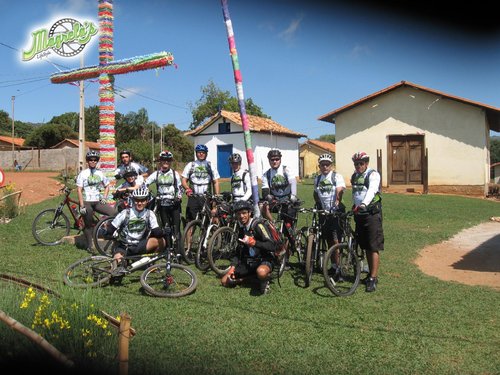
454	134
261	144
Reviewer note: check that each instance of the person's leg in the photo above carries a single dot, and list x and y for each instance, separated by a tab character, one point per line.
88	230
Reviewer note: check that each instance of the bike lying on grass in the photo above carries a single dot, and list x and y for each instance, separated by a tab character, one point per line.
163	277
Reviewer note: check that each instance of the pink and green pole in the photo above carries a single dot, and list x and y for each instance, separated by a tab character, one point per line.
241	102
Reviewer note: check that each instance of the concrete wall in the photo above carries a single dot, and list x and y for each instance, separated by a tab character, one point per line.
45	159
455	135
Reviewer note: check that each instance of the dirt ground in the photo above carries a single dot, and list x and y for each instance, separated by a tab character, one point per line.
471	257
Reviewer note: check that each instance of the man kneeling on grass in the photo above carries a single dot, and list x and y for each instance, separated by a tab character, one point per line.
255	253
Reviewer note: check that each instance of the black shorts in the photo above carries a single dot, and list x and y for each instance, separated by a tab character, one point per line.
139	248
248	267
370	232
194	205
330	228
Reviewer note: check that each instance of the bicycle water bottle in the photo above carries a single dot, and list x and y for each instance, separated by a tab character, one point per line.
140	262
74	210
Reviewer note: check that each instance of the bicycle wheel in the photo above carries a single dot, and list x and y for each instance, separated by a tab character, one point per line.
301	244
221	249
341	279
179	281
89	272
201	259
103	244
50	227
311	244
190	241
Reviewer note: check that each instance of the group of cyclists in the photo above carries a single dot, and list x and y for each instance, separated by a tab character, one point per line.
139	230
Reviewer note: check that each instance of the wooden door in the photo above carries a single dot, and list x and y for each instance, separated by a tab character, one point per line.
406	158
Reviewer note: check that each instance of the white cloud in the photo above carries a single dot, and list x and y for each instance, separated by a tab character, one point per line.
289	33
360	51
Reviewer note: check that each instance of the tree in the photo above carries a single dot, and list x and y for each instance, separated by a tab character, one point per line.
5	123
494	150
72	119
49	135
175	141
327	138
213	99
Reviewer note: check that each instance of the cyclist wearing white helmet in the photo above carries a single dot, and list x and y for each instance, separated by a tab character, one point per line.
329	187
367	202
137	230
241	186
199	177
89	184
126	161
169	191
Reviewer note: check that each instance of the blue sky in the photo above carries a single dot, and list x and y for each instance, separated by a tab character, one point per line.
299	60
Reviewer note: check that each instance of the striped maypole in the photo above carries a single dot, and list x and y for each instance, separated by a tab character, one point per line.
241	101
106	90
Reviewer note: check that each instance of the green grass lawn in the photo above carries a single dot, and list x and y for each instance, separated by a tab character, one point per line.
412	324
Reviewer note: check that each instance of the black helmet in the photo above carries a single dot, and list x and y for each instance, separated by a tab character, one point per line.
125	152
166	155
235	158
242	205
273	153
92	154
129	171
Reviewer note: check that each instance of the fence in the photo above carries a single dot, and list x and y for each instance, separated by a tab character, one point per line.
41	159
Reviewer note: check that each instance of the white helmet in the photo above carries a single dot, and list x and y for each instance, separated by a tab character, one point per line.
325	157
141	193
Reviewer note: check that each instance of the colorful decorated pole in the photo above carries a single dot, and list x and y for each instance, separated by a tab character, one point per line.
241	102
106	70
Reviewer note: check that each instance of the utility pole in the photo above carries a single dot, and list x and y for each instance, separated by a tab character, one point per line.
13	148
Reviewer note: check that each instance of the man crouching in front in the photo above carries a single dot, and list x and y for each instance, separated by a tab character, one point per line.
255	252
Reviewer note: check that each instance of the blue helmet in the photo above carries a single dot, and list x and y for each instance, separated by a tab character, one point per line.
201	148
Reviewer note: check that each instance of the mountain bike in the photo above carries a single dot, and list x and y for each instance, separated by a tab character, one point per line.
51	225
221	247
296	240
343	277
316	244
159	279
198	231
102	243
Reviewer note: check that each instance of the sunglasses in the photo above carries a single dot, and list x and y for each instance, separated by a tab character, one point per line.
359	163
275	159
325	164
140	200
93	160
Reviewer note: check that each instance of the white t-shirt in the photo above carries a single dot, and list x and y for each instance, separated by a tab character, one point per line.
241	188
278	184
200	178
327	191
137	226
166	187
92	181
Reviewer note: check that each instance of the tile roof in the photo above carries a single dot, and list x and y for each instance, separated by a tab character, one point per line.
327	146
88	144
492	113
257	124
17	141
